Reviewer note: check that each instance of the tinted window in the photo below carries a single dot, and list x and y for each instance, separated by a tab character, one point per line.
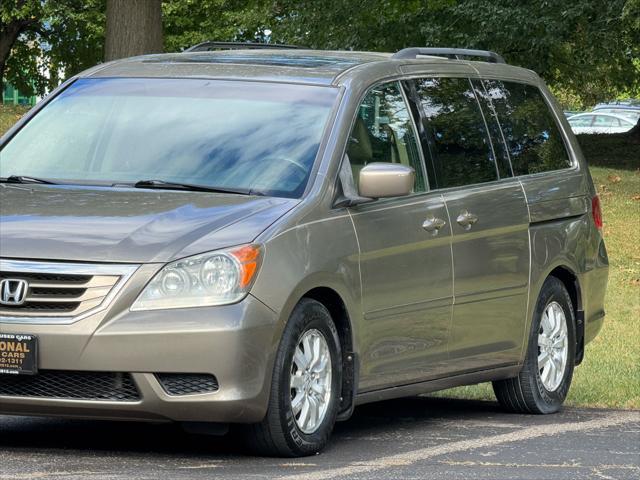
237	135
460	150
493	124
533	138
383	132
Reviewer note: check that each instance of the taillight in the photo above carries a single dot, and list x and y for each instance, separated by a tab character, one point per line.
596	212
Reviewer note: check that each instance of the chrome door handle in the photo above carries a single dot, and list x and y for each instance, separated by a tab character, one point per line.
466	219
433	225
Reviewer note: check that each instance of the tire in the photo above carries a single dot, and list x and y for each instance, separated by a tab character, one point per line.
279	434
538	390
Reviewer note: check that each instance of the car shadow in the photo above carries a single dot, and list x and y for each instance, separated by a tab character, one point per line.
39	433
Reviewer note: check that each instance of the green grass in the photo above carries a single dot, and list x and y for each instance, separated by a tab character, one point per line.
10	115
610	373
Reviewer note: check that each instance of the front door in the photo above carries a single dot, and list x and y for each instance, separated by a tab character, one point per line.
407	284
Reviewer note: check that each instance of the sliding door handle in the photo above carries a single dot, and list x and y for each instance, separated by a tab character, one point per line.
433	225
466	219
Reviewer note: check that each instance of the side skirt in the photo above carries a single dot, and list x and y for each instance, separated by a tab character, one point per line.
413	389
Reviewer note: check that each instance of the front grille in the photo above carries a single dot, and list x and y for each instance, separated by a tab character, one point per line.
62	290
38	307
67	292
187	383
96	386
54	277
59	294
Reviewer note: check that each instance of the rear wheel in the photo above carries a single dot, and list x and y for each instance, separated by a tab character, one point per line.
305	388
544	381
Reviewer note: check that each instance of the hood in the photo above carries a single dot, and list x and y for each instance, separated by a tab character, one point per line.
96	224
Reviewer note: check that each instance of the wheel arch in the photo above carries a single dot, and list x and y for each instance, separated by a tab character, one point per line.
571	282
338	310
332	300
341	298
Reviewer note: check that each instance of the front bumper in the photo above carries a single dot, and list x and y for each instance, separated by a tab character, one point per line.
234	343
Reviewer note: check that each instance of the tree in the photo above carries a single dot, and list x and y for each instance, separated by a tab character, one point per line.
587	50
188	22
134	27
44	41
589	47
16	17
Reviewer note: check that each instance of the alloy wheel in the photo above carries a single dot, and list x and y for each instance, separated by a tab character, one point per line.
553	346
310	383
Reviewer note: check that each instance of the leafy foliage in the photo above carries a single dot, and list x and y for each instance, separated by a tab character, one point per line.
62	38
588	47
587	50
189	22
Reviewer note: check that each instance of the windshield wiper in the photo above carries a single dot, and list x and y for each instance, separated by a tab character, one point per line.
161	184
25	179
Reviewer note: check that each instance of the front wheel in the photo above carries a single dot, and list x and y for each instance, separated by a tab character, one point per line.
544	381
305	388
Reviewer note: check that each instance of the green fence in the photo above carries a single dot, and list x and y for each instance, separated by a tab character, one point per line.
14	97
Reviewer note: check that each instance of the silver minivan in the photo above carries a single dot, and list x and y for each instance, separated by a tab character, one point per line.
267	238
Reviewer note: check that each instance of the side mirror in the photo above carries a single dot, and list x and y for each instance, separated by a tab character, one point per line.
382	180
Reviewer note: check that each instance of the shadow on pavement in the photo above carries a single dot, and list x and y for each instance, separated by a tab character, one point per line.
18	433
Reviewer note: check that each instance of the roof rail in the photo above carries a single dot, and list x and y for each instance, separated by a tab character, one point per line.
210	45
454	53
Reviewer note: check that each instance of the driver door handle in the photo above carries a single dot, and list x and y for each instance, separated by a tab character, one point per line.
466	219
433	225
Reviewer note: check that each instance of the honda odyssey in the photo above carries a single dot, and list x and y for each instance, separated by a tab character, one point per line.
271	237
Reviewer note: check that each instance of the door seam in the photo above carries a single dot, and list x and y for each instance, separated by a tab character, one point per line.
525	335
453	278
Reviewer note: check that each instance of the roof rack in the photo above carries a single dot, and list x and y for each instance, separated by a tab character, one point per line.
210	45
453	53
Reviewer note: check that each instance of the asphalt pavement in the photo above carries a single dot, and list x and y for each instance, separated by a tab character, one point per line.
416	438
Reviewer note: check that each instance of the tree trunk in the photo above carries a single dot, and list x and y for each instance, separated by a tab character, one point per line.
134	27
2	83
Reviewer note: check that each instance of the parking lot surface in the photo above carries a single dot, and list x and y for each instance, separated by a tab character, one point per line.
415	438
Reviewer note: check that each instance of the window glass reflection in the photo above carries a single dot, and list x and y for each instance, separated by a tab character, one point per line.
257	136
493	124
461	152
383	133
532	135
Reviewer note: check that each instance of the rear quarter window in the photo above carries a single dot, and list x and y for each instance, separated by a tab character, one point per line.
532	135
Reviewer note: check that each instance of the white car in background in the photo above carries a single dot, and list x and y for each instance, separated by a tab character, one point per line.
630	109
594	122
632	115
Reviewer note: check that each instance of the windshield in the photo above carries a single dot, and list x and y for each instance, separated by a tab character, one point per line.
249	136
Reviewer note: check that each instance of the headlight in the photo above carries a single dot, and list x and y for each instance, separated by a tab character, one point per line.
216	278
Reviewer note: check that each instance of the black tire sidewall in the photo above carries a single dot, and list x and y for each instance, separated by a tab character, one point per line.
308	315
552	291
